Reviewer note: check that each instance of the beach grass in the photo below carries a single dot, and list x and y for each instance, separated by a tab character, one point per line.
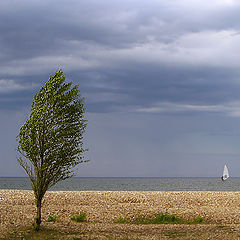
80	217
161	218
52	218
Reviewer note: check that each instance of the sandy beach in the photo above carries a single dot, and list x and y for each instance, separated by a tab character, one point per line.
103	208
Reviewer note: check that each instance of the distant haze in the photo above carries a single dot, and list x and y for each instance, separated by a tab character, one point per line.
161	81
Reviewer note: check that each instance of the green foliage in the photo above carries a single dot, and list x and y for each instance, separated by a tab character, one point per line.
197	220
36	227
81	217
162	218
52	218
121	220
165	218
50	142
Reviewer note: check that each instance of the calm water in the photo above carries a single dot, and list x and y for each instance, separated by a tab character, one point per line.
132	184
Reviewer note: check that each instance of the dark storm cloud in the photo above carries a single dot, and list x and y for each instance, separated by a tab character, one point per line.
99	45
147	85
34	28
151	73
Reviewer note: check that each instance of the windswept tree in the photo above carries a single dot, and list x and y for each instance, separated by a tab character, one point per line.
50	142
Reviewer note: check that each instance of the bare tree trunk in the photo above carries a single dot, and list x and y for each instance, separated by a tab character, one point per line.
39	214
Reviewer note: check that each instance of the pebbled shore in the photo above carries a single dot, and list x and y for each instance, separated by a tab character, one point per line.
104	207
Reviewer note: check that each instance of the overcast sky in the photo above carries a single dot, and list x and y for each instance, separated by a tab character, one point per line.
161	81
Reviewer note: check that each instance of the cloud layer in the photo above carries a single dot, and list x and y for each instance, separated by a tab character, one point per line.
126	56
161	80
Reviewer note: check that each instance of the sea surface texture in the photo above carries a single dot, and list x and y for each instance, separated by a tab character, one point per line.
130	184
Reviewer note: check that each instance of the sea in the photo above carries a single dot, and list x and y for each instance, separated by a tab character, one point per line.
129	184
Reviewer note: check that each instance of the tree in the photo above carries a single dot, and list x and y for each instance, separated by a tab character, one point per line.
50	142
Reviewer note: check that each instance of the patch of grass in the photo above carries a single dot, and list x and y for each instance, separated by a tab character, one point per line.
28	233
165	218
162	218
81	217
121	220
197	220
52	218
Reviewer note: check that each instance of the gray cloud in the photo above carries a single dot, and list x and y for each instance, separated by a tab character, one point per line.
41	27
130	55
161	80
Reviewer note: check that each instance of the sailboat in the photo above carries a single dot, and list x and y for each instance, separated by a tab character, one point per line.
225	174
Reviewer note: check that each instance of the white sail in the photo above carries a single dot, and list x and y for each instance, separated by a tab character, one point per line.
225	175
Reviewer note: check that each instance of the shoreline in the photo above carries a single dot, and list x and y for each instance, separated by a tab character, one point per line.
129	191
131	184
